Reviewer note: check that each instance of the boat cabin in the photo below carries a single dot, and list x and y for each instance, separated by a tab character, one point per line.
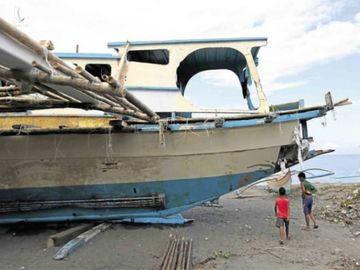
158	72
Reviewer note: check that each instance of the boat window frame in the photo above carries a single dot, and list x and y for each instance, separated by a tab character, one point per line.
166	53
99	64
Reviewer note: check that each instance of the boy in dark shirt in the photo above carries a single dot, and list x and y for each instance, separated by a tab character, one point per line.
307	189
282	212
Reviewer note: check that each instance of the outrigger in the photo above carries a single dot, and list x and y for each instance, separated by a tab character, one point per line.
143	152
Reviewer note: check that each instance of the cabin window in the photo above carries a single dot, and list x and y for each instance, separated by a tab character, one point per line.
213	84
160	57
98	70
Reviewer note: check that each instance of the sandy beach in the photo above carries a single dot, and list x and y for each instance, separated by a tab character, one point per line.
238	235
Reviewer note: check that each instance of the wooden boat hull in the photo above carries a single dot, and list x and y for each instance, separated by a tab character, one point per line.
192	167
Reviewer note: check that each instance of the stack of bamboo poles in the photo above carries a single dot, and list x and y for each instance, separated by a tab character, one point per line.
6	91
177	255
109	96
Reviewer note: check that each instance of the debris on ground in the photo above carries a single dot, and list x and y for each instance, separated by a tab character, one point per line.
344	263
340	204
177	254
222	254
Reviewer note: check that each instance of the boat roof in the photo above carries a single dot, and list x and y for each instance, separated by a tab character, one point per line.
185	41
65	55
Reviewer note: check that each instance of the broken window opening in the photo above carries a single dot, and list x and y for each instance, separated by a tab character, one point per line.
98	70
159	57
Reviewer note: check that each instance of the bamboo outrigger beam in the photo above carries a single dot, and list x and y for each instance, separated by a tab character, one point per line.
123	102
67	71
10	93
49	94
28	41
9	88
13	104
47	91
86	74
41	67
98	87
79	78
103	99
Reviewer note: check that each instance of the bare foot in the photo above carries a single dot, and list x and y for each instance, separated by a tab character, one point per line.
306	228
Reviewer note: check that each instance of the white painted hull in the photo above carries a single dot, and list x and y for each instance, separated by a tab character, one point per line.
54	160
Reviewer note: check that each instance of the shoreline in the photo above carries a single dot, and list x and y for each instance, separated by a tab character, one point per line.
241	234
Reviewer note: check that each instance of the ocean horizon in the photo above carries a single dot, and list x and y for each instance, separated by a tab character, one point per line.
346	168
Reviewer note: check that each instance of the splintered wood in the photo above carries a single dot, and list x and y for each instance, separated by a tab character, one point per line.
177	255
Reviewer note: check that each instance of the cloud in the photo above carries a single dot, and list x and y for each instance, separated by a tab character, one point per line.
301	33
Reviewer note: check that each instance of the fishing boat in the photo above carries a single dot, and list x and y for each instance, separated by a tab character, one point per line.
144	151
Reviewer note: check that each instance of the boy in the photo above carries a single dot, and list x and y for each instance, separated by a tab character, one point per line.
307	189
282	213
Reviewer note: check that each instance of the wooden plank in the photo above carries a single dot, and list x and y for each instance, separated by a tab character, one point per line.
61	238
80	240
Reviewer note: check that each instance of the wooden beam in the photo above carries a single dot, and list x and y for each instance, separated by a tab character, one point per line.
122	64
63	237
80	240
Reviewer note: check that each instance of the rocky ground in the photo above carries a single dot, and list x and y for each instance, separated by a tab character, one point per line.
239	235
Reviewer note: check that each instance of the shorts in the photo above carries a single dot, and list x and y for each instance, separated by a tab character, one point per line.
307	204
281	222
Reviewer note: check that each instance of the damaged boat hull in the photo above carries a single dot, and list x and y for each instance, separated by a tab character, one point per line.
188	168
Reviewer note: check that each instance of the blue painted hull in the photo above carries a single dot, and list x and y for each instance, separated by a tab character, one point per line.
180	195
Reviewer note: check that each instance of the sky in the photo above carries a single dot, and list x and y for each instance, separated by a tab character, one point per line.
313	47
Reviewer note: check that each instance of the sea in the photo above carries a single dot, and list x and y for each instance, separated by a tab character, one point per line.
346	168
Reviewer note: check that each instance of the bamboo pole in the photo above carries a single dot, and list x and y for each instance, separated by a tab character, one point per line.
108	108
102	99
45	89
11	93
30	101
86	74
113	82
123	102
21	104
188	265
48	94
67	71
98	87
28	41
9	88
41	67
130	97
